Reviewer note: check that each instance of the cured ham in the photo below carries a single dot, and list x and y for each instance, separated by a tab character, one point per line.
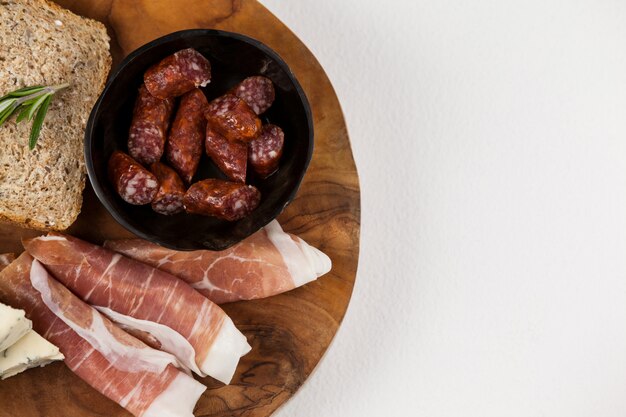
141	379
6	259
267	263
160	309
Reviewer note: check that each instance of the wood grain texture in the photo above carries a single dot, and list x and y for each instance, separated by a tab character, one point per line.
289	333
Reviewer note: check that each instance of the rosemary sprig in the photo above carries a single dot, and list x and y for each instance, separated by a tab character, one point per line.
31	102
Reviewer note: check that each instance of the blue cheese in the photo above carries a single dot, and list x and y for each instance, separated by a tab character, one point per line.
30	351
13	325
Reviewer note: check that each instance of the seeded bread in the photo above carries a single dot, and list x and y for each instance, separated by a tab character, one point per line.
42	43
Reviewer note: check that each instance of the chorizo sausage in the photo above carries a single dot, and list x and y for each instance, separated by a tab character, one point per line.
231	157
266	150
257	92
148	129
184	144
222	199
135	184
177	74
233	118
169	198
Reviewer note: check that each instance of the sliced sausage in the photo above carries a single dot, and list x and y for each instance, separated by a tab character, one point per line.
135	184
177	74
257	92
223	199
169	198
231	157
184	144
266	150
233	118
148	129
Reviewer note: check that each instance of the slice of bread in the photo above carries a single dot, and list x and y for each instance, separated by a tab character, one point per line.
42	43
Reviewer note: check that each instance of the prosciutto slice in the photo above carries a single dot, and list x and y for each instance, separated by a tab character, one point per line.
267	263
6	259
160	309
139	378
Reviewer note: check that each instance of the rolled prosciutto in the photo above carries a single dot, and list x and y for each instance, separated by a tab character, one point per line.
6	259
267	263
161	310
143	380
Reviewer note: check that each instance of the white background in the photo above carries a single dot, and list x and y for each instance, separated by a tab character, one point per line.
490	139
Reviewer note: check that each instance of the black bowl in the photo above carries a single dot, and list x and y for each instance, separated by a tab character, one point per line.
233	57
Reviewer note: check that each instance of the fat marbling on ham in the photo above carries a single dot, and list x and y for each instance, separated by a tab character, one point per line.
267	263
141	379
6	259
160	307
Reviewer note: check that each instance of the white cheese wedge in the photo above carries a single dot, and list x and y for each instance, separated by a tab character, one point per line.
30	351
13	325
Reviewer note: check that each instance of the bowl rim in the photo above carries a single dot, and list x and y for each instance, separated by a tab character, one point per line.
91	122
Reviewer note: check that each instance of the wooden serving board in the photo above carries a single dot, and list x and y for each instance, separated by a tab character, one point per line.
288	333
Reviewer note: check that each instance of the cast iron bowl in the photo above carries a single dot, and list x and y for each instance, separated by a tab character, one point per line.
233	57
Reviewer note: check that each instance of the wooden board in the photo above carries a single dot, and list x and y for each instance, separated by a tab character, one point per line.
289	333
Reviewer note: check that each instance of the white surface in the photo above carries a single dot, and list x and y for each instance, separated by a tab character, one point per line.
490	138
